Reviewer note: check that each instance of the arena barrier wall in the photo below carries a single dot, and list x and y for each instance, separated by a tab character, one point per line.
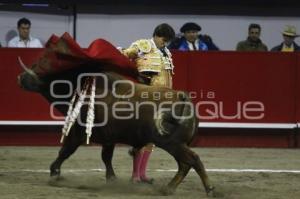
242	99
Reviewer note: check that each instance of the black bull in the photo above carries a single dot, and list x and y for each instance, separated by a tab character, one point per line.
160	122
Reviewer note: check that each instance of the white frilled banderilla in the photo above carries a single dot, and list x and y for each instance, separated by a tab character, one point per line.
74	110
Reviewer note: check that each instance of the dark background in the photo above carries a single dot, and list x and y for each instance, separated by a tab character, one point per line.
199	7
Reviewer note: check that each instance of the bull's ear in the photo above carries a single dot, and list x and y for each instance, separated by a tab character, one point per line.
26	69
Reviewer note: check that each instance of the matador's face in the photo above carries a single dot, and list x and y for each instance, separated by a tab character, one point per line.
160	42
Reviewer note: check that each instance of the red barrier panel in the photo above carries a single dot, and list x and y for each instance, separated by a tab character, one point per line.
225	86
15	103
297	88
180	60
243	87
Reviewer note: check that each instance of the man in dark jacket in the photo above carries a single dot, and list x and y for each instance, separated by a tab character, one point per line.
253	42
192	40
288	45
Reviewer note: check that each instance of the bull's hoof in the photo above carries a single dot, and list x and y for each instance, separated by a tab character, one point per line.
111	179
211	192
166	190
54	172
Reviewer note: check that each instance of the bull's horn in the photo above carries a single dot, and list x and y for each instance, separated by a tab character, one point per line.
25	67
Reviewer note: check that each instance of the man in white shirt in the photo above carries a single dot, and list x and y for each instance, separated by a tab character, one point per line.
24	40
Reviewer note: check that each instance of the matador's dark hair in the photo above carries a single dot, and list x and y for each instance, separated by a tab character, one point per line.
164	30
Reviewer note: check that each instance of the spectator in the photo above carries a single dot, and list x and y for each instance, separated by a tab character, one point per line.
192	40
24	40
253	42
288	45
154	63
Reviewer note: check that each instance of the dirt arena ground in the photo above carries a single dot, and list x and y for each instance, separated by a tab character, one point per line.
258	173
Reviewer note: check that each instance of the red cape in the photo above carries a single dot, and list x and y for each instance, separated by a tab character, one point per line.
63	53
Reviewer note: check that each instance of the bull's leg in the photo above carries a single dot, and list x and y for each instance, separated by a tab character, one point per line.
187	159
193	159
199	168
107	154
71	143
183	170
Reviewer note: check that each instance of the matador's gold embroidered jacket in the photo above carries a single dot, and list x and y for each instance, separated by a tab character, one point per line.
152	62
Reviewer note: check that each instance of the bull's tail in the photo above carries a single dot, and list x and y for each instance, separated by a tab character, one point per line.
180	119
189	119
